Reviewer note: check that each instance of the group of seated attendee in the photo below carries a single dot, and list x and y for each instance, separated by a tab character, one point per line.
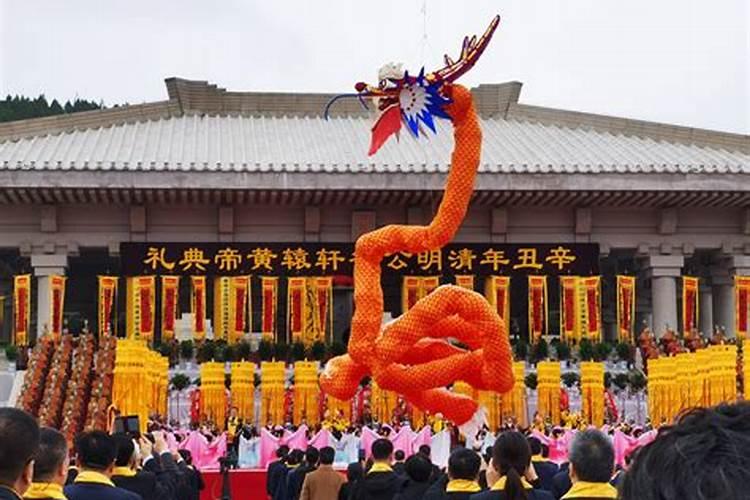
704	455
35	464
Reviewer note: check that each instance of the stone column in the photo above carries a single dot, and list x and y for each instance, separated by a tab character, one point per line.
706	305
45	265
723	291
664	271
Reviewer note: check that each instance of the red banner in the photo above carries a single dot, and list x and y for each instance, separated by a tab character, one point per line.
269	290
410	292
742	304
107	299
689	303
141	299
57	304
21	306
170	289
625	308
465	281
591	289
198	306
570	329
296	320
537	307
497	292
238	296
324	299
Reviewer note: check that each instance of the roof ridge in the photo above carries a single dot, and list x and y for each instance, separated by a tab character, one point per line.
81	120
630	127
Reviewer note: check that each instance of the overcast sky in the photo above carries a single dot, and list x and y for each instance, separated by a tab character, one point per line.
677	61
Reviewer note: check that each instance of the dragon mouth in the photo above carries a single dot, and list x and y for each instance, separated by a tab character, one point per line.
386	102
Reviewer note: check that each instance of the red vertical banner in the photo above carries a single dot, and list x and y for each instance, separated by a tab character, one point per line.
465	281
239	288
296	320
690	286
590	287
497	292
106	304
324	305
198	306
21	308
57	304
570	329
410	292
429	283
742	312
269	300
537	307
141	305
625	308
170	290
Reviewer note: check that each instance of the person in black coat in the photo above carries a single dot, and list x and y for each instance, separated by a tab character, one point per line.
158	478
294	460
545	469
354	473
398	464
380	482
463	471
436	474
418	471
561	483
510	469
19	443
96	452
277	470
296	477
192	484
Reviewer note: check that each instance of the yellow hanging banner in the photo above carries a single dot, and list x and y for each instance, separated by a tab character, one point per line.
170	300
537	307
198	306
497	292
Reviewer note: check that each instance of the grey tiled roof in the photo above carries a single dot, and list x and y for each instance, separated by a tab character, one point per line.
311	144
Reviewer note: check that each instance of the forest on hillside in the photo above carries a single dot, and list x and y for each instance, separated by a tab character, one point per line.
22	107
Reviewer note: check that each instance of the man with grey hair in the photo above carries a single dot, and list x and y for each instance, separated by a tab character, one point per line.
592	461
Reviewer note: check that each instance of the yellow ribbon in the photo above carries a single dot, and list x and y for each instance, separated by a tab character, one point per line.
380	467
583	489
123	472
90	476
462	485
45	490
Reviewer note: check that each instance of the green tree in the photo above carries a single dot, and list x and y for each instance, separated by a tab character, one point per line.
531	381
187	349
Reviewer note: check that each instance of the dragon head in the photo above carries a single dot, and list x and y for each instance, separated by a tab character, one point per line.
415	100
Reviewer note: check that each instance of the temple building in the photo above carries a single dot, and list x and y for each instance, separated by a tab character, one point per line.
212	182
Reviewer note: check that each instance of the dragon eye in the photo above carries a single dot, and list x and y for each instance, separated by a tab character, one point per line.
383	84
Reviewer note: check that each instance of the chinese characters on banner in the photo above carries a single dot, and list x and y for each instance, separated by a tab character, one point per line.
107	300
140	305
57	304
332	259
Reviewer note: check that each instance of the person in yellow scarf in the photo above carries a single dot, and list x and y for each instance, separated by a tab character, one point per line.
19	441
96	452
592	462
50	467
463	472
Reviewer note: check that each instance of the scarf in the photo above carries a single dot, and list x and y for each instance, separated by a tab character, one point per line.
500	484
45	490
583	489
538	458
462	485
90	476
123	472
380	467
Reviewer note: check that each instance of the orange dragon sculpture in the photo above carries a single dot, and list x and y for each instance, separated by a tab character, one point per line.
414	355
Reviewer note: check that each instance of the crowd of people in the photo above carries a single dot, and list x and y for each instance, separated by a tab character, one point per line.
36	463
705	454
